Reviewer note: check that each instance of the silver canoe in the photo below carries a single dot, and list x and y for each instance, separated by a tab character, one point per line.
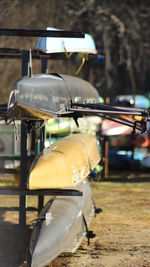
61	226
48	95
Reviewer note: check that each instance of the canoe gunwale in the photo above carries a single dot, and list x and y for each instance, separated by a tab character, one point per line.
72	232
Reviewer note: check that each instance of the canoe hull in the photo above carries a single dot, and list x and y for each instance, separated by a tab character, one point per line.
84	45
138	101
65	163
45	96
65	228
146	161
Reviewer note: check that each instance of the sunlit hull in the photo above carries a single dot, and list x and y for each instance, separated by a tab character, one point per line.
66	163
45	96
63	228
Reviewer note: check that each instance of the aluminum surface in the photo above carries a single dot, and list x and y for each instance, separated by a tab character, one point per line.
63	229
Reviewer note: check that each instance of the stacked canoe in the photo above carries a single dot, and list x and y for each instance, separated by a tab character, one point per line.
65	163
61	226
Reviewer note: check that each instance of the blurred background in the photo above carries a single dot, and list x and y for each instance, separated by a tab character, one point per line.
119	28
121	33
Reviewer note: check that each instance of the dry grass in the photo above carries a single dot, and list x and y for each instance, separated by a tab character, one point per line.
122	229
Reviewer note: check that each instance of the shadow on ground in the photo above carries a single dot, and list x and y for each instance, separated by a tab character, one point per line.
126	179
14	241
121	176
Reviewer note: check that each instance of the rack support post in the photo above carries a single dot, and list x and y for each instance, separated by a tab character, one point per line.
23	167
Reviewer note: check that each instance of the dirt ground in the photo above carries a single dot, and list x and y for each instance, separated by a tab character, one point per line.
122	229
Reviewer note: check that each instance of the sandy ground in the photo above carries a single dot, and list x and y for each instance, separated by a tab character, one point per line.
122	229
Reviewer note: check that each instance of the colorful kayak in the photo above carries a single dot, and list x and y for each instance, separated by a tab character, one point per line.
138	101
120	159
121	135
110	128
126	141
61	226
64	126
65	163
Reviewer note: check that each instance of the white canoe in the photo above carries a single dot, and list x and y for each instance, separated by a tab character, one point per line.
61	226
65	163
60	45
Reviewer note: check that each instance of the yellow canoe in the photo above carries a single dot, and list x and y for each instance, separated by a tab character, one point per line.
65	163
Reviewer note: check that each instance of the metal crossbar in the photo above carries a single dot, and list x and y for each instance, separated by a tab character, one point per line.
44	192
40	33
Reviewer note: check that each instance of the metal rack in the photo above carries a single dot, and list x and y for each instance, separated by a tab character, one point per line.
23	55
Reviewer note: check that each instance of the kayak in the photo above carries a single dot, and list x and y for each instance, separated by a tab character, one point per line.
65	126
146	161
121	135
65	163
138	101
61	226
110	128
120	159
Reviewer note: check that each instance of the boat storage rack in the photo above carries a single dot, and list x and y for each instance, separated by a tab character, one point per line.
24	56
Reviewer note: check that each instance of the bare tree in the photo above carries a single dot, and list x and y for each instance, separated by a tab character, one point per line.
120	29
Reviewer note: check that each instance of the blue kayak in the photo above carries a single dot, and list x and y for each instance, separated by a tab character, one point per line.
138	101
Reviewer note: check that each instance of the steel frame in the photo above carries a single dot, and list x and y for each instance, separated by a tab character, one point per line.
23	55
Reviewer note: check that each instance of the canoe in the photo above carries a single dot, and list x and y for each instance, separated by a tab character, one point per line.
110	128
138	101
61	227
58	126
60	45
65	163
121	135
129	141
65	126
45	96
120	159
146	161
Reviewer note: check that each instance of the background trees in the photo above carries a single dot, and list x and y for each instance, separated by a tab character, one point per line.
120	29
